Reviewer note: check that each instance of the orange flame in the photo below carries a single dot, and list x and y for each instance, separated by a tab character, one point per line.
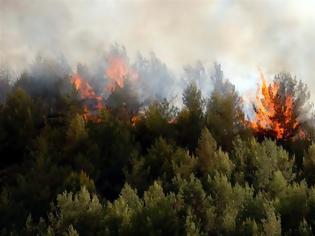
274	115
134	120
117	72
87	93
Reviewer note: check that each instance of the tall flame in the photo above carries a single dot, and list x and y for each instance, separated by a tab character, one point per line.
117	72
274	113
87	93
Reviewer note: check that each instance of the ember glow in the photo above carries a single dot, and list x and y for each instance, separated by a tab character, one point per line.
275	116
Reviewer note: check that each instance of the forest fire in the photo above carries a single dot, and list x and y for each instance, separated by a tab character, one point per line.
117	72
274	112
92	102
86	91
134	120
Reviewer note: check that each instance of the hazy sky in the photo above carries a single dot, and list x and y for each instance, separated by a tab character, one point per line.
242	35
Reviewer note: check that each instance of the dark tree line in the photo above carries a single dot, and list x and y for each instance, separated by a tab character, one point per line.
150	169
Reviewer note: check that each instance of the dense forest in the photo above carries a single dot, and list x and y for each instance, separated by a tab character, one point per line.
75	160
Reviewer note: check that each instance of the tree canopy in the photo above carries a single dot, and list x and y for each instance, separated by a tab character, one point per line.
136	167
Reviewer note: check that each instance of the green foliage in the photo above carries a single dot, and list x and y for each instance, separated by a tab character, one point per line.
82	211
225	118
114	147
278	184
228	201
248	227
258	163
118	215
292	206
76	130
210	158
196	204
272	223
17	127
75	180
157	121
150	170
190	120
153	215
309	165
163	161
158	217
191	225
304	229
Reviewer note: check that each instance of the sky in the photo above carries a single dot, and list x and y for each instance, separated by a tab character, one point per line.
242	35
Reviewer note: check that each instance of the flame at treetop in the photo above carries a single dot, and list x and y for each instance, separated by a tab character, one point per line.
117	72
92	101
86	91
275	115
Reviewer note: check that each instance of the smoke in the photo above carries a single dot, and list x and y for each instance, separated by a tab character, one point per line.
242	35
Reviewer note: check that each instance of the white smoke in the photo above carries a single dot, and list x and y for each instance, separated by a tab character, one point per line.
242	35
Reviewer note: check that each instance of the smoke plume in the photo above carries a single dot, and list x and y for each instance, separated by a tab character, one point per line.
241	35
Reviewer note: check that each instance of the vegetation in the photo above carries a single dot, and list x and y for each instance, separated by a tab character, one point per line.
135	169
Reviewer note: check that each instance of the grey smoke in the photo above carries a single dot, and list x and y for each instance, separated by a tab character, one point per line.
242	35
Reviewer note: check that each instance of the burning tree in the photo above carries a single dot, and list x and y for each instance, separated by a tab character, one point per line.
280	108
